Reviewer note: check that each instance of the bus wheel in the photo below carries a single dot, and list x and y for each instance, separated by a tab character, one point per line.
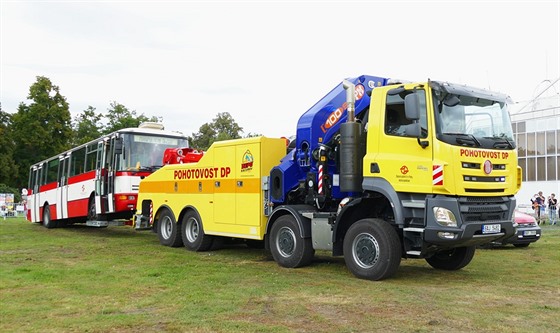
92	214
47	221
452	260
168	230
372	249
288	248
193	234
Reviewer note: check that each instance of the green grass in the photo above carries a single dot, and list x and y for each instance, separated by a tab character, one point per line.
81	279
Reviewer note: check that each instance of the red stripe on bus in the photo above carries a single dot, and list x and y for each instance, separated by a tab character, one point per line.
81	177
49	186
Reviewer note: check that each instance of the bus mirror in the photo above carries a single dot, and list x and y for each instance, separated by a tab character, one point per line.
412	106
119	146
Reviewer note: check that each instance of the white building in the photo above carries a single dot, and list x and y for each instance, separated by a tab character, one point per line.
536	124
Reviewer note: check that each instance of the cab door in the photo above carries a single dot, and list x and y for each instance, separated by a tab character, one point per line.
397	152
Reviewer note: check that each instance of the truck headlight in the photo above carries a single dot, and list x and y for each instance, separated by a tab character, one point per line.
445	217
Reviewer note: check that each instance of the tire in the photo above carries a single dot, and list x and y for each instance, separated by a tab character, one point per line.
372	249
288	248
452	260
91	213
47	221
521	245
169	232
193	234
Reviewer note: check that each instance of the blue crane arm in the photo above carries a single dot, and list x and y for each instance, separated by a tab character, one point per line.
322	121
319	125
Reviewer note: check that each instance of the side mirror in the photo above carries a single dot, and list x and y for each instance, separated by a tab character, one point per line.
412	106
119	147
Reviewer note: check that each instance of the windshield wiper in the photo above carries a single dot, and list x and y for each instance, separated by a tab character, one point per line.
502	141
464	138
149	168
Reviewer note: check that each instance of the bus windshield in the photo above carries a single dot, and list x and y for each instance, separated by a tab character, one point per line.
145	152
470	120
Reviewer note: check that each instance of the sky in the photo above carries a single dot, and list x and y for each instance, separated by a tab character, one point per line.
266	62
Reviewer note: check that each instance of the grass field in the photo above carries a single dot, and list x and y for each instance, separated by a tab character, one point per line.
82	279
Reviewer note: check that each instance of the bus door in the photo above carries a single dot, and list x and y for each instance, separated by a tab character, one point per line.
100	180
35	204
62	189
110	162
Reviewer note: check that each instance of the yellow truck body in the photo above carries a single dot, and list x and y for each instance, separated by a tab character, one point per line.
226	187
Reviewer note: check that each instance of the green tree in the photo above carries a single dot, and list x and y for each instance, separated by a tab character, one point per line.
119	117
87	126
8	167
41	129
222	127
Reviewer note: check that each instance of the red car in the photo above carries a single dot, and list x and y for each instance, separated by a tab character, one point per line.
527	231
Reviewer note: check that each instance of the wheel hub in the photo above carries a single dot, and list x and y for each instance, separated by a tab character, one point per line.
286	242
365	250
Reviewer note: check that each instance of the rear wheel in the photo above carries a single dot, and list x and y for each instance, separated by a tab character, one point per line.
47	221
169	232
193	234
452	260
288	248
372	249
92	214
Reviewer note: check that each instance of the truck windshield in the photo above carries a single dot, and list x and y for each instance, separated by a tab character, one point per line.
469	120
145	152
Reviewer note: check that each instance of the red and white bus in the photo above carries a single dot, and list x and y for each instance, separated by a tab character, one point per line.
97	183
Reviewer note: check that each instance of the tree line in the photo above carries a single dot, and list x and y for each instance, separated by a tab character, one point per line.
44	128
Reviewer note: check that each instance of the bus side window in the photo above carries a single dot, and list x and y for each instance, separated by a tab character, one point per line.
91	157
52	171
77	161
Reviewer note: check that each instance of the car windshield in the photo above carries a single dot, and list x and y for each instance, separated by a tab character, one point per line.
470	120
145	152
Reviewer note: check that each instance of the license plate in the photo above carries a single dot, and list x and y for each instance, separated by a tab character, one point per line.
529	233
491	228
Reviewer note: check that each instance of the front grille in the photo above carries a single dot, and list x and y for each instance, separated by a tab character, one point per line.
475	209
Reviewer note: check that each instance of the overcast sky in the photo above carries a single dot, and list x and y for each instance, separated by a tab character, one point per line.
266	62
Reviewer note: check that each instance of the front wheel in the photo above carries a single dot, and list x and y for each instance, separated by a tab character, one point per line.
452	260
168	230
372	249
193	234
288	248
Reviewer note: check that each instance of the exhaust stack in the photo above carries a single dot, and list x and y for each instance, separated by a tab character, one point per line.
351	145
350	100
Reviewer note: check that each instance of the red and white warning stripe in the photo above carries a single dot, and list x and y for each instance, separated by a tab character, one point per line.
151	213
437	175
320	179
